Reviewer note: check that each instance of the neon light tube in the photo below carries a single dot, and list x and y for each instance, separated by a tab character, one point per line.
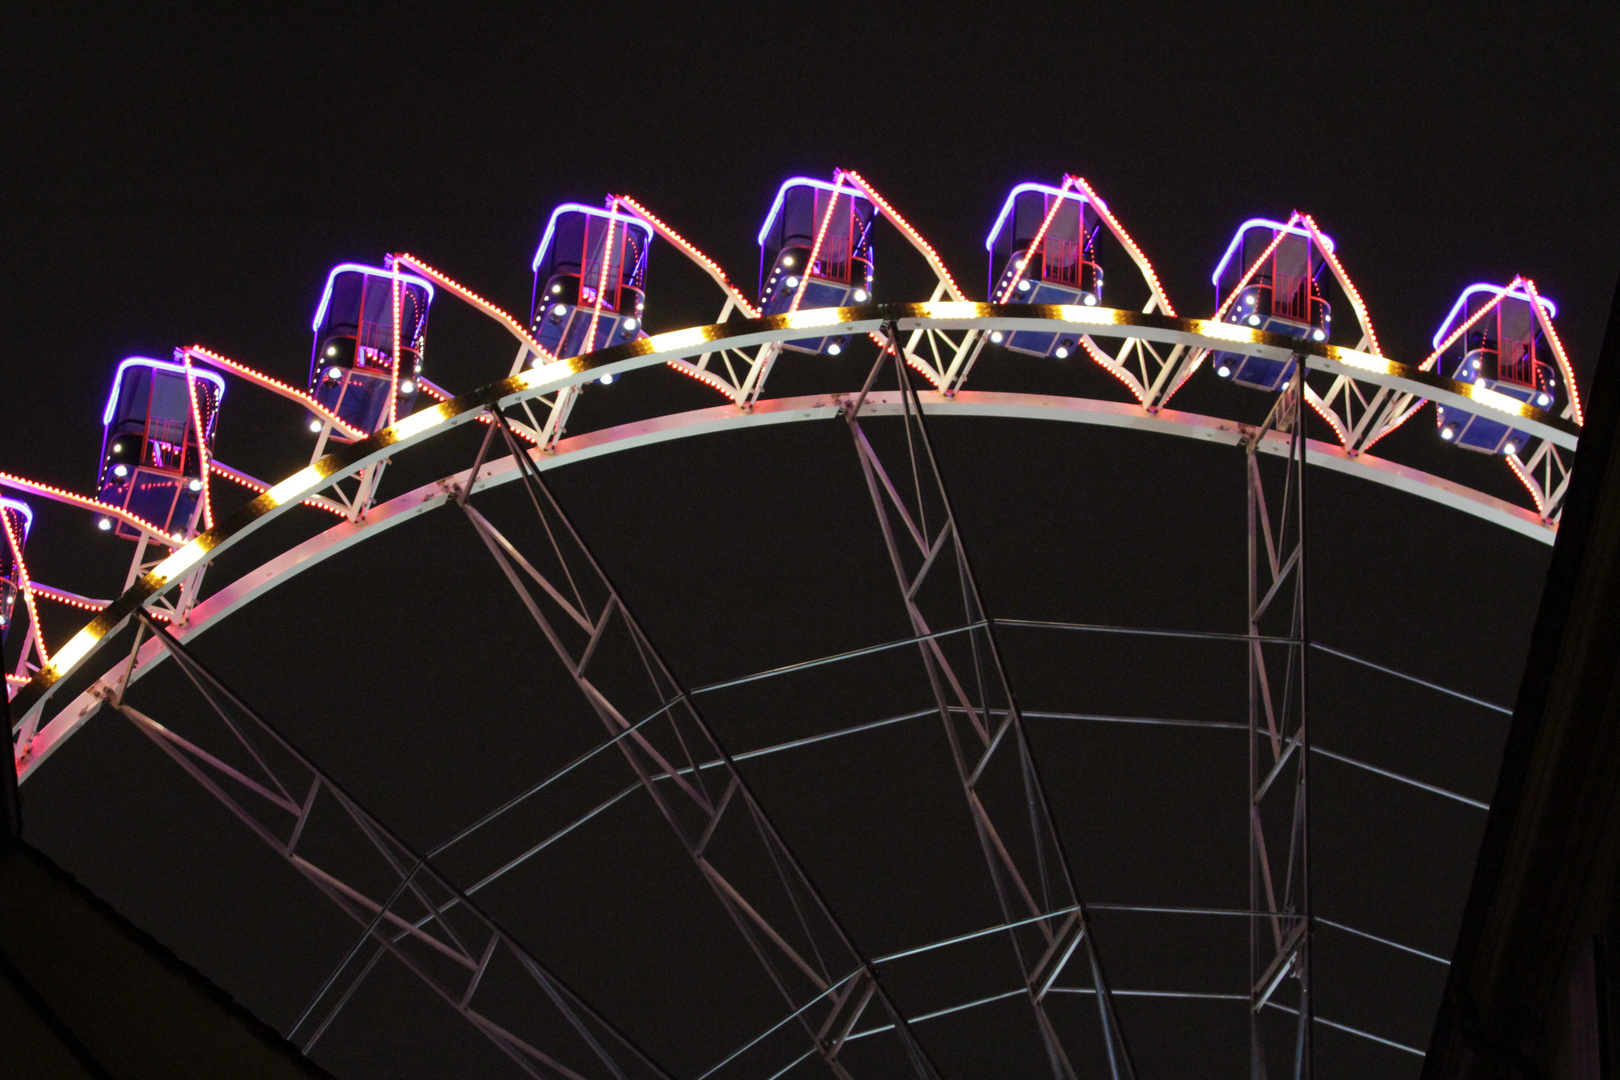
1012	196
161	365
17	506
588	211
1495	290
1237	240
804	181
370	271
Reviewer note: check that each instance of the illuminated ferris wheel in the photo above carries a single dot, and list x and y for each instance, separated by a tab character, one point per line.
1499	378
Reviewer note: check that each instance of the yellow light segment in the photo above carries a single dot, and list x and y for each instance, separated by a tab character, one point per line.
179	562
418	422
293	486
678	339
954	309
1077	313
1224	330
1495	400
800	320
71	653
1364	361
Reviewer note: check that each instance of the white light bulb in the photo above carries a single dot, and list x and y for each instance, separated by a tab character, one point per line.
1253	320
331	350
1510	448
606	379
792	282
1318	335
860	296
997	336
104	524
407	386
834	349
1447	434
315	425
1023	286
788	261
120	470
1543	400
195	485
1223	371
559	311
1062	352
630	325
1091	301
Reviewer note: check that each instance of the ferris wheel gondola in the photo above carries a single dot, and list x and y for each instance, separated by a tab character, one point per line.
815	251
1270	279
589	280
1493	338
353	368
158	433
1043	245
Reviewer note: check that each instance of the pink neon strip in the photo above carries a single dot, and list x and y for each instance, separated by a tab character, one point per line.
1107	363
1537	306
934	261
1344	279
601	285
276	386
1125	238
1254	268
692	252
202	444
84	502
692	371
27	585
821	234
927	372
393	367
1529	483
481	304
1034	245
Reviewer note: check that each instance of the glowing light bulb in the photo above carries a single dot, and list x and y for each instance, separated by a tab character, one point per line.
1223	371
331	350
1253	320
1023	286
834	349
1318	335
1061	352
1090	301
860	296
792	282
103	523
1543	400
606	379
120	471
1448	433
559	311
315	426
788	261
997	336
407	386
630	325
1510	447
555	289
334	373
195	485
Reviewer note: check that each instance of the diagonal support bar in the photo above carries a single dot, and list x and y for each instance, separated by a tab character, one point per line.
1007	802
761	885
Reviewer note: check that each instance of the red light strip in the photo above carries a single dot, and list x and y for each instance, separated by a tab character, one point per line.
692	253
256	485
393	367
434	390
276	385
927	372
84	502
1462	328
1125	238
1344	280
601	285
499	315
202	444
934	261
1040	235
821	234
1326	414
691	370
62	596
1107	363
1529	483
26	585
1558	351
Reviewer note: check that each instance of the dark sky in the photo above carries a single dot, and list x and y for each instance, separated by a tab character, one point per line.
190	177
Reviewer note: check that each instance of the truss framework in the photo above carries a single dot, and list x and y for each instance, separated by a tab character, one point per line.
1033	880
423	920
762	886
1279	747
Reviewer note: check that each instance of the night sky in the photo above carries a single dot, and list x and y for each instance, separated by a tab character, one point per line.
191	177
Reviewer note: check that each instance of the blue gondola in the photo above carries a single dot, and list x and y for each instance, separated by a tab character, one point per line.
18	519
842	273
150	460
1062	270
351	366
1499	352
585	300
1284	296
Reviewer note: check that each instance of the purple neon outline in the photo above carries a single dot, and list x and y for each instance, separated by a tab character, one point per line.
374	271
24	509
589	211
1006	208
161	365
1494	290
1274	226
808	181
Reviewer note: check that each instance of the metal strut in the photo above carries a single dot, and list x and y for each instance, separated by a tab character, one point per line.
433	928
1033	879
760	883
1279	749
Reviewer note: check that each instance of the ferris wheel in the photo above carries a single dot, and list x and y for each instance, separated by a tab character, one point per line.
1499	377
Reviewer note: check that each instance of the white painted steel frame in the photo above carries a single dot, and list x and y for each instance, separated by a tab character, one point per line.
33	741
